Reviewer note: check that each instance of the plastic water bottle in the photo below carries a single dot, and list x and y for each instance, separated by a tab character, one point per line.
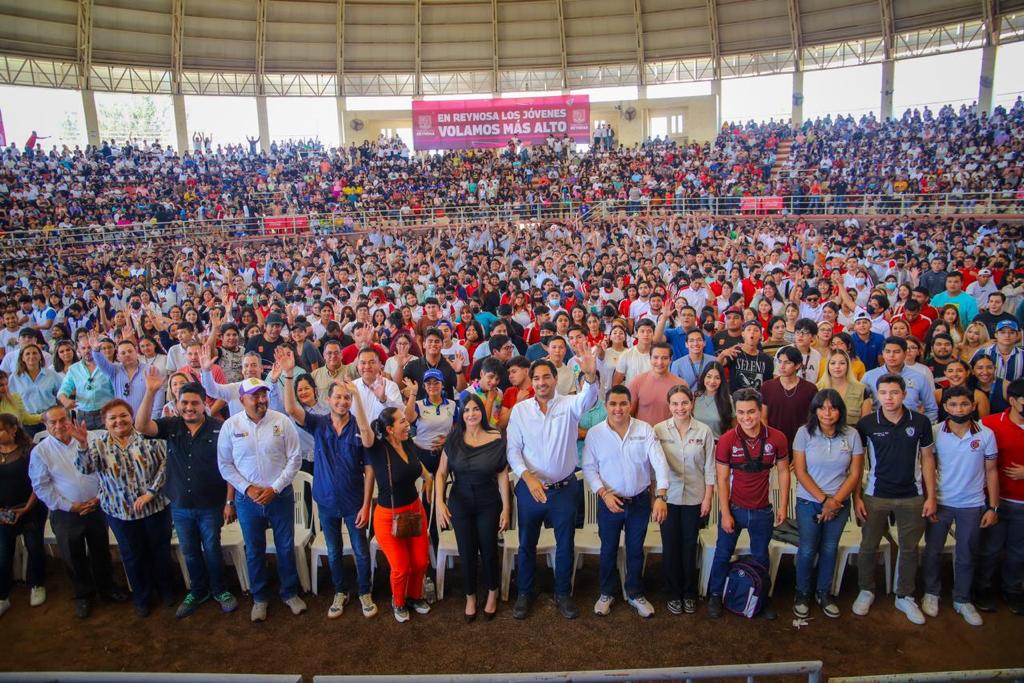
429	590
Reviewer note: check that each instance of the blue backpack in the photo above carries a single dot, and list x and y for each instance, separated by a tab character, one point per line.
746	588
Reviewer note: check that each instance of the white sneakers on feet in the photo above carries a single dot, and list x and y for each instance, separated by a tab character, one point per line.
369	608
296	604
603	606
930	604
259	612
909	607
642	606
337	607
37	597
4	606
968	612
862	605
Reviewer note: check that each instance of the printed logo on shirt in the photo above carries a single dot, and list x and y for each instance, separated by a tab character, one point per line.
698	441
911	431
277	430
975	444
240	435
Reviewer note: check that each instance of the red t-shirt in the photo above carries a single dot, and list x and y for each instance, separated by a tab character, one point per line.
1010	442
750	490
349	353
508	398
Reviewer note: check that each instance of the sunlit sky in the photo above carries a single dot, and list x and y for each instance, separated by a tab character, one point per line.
855	90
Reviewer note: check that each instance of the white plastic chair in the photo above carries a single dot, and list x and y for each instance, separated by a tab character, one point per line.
849	546
708	542
588	539
303	533
545	547
232	548
778	549
318	548
447	551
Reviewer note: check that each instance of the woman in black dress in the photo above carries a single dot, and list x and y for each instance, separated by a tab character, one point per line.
479	505
21	514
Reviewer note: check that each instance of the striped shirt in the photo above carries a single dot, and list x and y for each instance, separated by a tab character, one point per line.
126	473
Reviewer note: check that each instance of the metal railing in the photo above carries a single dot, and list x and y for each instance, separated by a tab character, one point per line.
143	677
362	219
1015	675
750	672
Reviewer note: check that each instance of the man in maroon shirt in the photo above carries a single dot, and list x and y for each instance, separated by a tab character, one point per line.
788	396
743	461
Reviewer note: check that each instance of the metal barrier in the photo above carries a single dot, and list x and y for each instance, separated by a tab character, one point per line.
1015	675
142	677
751	672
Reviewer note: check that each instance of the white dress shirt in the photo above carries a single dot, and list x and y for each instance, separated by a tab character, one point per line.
55	478
623	464
266	453
691	460
392	397
545	443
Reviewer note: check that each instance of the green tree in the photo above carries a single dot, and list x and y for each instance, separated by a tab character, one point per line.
142	117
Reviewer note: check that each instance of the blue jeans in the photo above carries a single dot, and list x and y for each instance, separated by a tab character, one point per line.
759	525
199	539
1007	535
330	525
635	516
145	547
968	533
560	511
254	520
817	539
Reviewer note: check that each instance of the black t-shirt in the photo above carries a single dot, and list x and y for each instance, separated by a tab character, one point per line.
892	450
723	340
990	321
265	348
747	371
415	369
403	474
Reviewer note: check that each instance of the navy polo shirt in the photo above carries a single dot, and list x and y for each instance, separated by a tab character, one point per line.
338	461
868	351
193	477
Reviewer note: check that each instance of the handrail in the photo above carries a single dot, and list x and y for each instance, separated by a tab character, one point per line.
1016	675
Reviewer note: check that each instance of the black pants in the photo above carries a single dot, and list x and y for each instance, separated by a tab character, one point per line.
679	545
475	510
84	547
145	547
30	528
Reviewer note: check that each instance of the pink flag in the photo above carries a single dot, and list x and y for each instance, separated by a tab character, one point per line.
3	135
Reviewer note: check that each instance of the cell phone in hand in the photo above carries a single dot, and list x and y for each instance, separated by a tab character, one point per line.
7	516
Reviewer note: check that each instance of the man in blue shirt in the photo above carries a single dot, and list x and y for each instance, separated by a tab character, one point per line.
919	396
342	487
867	345
955	295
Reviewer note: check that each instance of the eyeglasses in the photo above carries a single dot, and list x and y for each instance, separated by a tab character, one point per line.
127	389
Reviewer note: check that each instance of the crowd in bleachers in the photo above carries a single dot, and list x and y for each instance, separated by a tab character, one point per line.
679	368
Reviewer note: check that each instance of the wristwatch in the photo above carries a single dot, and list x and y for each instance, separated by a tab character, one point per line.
992	509
662	497
230	503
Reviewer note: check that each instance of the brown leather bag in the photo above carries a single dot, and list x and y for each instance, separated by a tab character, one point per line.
403	524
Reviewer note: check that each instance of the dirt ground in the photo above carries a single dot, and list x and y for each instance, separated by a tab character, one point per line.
113	639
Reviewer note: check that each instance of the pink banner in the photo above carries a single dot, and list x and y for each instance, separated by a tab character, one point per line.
285	225
3	135
760	205
466	124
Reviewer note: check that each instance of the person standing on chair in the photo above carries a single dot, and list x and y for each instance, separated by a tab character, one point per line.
200	501
83	539
828	458
542	435
479	507
258	453
342	487
744	459
901	482
618	456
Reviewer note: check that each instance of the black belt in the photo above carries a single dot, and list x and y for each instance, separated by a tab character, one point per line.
562	484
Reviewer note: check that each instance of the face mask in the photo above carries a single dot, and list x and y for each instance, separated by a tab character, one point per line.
890	285
721	278
960	419
861	281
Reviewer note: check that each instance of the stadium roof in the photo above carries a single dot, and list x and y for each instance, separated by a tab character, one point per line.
408	47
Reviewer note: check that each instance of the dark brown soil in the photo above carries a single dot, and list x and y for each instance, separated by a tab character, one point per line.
113	639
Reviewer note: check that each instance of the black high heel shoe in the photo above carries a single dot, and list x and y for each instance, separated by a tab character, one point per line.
489	616
470	618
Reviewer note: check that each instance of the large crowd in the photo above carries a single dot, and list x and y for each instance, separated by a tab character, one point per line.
707	373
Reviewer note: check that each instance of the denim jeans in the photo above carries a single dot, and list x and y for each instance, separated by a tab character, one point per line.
330	525
1007	535
635	516
30	528
817	540
968	531
254	519
199	540
560	511
759	524
145	547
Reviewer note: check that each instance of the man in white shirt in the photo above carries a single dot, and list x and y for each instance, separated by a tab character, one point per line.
542	433
258	453
618	456
75	516
376	390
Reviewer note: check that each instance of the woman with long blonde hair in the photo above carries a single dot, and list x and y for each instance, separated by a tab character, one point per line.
839	376
976	337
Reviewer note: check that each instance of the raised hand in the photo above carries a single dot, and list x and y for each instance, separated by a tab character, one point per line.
457	363
285	359
206	359
587	360
80	433
154	379
410	387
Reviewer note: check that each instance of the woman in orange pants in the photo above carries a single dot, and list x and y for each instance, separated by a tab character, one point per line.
396	467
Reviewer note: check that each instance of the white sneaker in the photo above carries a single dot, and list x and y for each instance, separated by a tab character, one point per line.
338	606
968	612
369	608
259	612
908	606
603	606
296	604
4	606
37	597
930	604
862	605
642	607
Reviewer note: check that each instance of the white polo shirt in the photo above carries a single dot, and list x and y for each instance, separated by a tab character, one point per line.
264	453
623	464
961	464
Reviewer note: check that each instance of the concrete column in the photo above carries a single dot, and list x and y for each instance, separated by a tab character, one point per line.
264	122
342	120
92	121
716	91
797	115
987	80
888	85
180	123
